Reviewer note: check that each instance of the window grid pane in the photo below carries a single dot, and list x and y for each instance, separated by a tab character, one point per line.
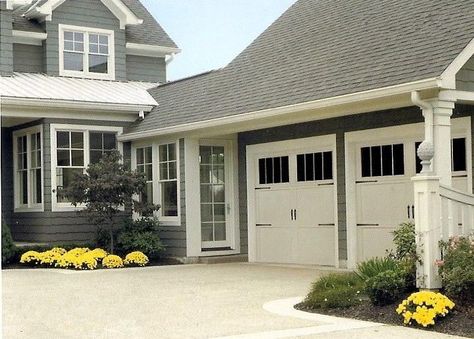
213	216
383	160
145	165
314	166
273	170
168	180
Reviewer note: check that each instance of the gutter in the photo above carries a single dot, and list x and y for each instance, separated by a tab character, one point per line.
427	110
280	111
72	104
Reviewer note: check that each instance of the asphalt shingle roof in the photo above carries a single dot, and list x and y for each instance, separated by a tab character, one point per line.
149	33
320	49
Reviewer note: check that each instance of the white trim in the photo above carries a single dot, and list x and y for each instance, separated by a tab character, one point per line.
117	7
407	134
279	148
70	104
164	221
448	77
29	207
28	38
63	207
87	31
285	110
456	96
150	50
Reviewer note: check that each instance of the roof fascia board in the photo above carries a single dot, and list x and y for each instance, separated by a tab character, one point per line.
70	104
61	113
28	38
448	77
117	7
150	50
433	83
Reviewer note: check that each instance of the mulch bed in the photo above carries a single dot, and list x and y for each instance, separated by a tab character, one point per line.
459	322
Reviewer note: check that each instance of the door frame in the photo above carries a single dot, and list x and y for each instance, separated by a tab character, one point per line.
229	193
253	152
460	127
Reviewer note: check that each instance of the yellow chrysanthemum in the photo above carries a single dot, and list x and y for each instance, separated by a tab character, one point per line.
112	261
136	258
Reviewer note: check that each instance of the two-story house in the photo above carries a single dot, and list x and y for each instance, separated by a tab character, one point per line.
302	150
73	75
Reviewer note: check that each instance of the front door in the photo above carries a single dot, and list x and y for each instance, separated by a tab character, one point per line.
215	189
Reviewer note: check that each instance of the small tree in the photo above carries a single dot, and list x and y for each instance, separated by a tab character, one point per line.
105	188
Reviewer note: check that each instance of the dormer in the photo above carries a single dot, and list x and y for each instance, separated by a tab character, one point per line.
43	10
98	39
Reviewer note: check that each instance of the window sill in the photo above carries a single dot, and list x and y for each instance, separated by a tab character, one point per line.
29	209
66	208
96	76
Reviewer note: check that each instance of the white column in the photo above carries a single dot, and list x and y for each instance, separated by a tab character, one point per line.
427	220
441	165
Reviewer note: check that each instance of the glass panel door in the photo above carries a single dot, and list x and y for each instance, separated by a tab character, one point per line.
212	165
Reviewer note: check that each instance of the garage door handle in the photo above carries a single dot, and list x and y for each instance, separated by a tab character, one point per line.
408	211
295	214
292	214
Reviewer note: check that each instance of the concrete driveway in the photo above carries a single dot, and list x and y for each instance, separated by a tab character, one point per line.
186	301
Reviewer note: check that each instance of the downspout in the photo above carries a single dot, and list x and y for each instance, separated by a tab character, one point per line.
170	58
427	111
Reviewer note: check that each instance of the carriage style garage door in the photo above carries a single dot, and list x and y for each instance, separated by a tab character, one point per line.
293	211
384	161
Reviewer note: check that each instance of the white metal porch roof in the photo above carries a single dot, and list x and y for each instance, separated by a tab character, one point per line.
52	88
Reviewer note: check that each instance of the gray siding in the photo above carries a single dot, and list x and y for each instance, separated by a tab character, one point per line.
47	226
86	13
465	77
6	48
337	126
141	68
174	237
27	58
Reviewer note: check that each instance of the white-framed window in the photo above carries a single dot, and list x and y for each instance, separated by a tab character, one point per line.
144	163
27	167
159	161
168	179
382	160
73	148
86	52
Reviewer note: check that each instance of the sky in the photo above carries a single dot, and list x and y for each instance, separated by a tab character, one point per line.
212	32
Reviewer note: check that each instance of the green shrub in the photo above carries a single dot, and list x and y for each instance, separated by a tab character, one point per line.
404	238
372	267
8	247
386	287
405	242
334	291
457	269
140	235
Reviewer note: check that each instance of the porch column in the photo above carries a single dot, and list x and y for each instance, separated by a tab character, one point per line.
442	111
427	220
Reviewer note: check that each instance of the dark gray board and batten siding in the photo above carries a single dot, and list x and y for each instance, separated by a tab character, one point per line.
337	126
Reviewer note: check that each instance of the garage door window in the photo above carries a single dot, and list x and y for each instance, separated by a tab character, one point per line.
385	160
314	166
273	170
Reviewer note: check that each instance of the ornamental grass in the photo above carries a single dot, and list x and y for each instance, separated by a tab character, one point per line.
424	308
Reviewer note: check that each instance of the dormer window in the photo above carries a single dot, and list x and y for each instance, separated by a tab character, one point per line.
86	52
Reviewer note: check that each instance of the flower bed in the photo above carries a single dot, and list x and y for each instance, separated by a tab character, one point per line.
81	258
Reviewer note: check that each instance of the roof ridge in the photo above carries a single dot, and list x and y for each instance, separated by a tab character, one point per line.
189	77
